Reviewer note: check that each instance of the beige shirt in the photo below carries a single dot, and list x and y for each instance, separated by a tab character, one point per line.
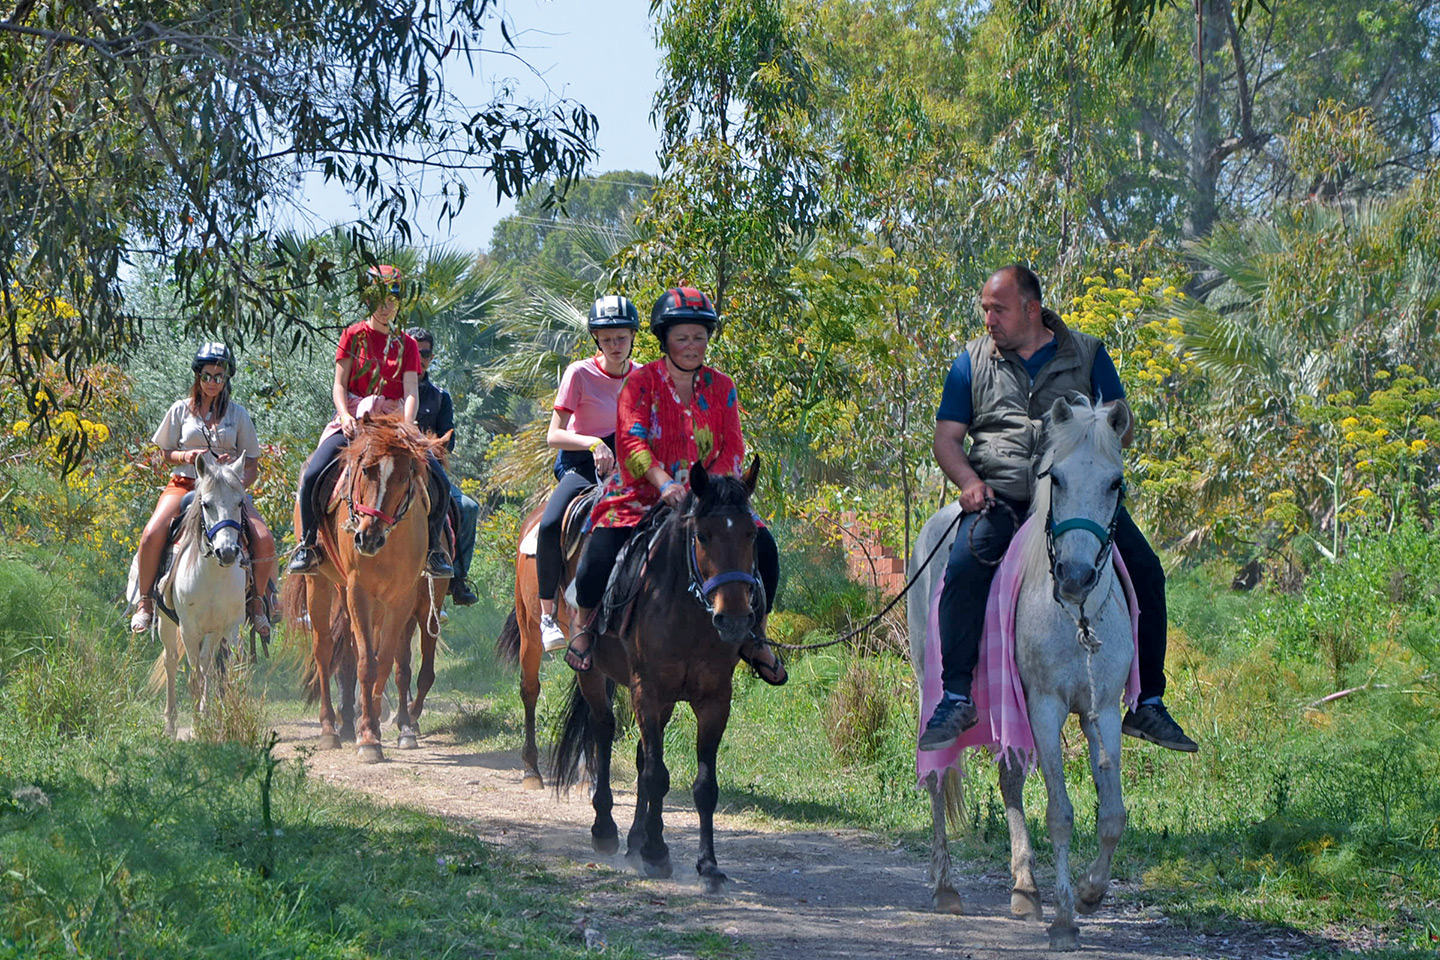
180	429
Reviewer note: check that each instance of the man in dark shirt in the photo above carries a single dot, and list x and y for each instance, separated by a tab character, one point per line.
436	416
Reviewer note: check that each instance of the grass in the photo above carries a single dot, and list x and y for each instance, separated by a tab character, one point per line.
1309	816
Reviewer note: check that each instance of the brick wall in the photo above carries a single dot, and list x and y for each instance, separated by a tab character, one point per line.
868	560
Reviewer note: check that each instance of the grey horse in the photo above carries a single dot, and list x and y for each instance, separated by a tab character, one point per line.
1073	651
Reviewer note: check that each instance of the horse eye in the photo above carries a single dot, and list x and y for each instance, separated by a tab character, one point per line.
1115	484
1056	481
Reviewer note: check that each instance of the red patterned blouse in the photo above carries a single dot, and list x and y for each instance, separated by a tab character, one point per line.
653	425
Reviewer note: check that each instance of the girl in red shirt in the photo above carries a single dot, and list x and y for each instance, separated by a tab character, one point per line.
374	359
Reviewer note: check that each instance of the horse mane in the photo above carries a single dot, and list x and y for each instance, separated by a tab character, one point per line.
388	435
1089	425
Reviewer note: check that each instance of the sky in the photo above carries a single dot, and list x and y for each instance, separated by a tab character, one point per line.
598	52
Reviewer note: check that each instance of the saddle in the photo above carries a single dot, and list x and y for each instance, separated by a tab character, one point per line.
623	587
577	515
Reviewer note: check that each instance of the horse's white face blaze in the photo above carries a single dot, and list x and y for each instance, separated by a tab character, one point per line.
724	544
382	490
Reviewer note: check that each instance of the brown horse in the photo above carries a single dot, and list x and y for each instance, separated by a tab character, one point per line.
696	602
519	640
381	501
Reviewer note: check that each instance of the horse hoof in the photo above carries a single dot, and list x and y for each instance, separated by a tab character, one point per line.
408	743
947	901
329	741
1064	939
532	781
347	734
369	753
713	882
1025	905
606	846
1086	906
659	870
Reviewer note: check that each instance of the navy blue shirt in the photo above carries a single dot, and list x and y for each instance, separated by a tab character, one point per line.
955	401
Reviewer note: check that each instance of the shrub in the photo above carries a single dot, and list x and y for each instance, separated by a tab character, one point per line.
857	711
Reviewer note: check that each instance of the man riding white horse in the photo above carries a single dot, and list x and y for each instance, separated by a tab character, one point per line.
996	393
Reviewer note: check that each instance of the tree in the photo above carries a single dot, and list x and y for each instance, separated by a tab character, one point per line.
181	129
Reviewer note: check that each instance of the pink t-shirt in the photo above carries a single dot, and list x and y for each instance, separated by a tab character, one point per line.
591	396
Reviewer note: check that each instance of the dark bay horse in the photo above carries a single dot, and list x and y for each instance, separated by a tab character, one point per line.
697	600
375	542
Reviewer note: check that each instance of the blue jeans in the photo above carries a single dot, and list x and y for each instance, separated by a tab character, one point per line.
464	537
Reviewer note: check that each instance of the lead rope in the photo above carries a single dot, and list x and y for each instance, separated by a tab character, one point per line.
433	622
1091	644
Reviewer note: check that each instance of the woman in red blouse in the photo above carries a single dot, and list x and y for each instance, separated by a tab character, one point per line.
673	412
374	359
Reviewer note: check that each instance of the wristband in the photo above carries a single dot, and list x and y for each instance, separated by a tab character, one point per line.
596	446
667	485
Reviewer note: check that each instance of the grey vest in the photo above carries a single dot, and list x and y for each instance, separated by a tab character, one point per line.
1009	407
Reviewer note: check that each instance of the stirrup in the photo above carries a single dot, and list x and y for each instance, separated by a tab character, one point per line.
142	619
307	559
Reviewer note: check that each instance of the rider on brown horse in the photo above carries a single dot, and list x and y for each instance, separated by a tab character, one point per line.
375	359
582	428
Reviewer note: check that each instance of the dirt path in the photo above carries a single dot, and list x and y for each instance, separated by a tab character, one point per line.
792	893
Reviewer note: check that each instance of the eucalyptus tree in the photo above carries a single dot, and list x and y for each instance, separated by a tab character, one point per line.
185	129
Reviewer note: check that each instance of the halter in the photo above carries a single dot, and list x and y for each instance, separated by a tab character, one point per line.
1106	536
365	510
702	591
209	550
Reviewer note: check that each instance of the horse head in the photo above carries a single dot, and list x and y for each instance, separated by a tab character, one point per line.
1081	489
216	510
721	533
385	467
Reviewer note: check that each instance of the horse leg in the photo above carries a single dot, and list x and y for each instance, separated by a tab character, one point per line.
604	834
1024	895
345	678
1047	714
654	781
425	679
1111	820
367	732
635	839
711	717
527	618
319	599
942	887
170	638
409	731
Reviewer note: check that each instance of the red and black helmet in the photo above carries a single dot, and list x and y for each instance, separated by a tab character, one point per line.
682	305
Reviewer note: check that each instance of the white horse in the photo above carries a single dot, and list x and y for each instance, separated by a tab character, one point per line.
1073	651
205	585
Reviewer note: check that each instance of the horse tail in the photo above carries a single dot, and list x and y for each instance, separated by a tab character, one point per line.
953	792
292	600
574	738
157	675
507	645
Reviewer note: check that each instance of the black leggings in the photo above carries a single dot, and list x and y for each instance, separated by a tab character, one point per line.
604	546
326	453
548	562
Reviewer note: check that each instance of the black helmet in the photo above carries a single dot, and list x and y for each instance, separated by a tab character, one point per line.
613	313
681	305
213	353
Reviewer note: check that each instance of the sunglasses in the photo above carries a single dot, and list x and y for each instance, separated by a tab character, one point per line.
214	377
396	286
426	353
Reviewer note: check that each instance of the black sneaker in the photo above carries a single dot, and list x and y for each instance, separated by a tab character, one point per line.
461	593
952	717
1151	721
438	565
306	560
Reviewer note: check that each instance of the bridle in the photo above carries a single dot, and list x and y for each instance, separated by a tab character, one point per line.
365	510
1106	536
703	589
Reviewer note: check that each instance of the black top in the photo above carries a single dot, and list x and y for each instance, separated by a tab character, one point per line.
436	415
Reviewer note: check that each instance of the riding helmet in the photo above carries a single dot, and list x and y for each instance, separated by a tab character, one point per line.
681	305
613	313
381	280
213	352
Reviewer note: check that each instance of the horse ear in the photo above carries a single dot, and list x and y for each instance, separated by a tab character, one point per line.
752	476
699	480
365	418
200	468
1060	411
1119	417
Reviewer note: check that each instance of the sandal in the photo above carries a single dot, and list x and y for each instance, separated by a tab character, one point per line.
775	675
579	660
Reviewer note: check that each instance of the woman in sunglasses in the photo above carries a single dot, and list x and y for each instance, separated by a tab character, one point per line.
205	420
378	364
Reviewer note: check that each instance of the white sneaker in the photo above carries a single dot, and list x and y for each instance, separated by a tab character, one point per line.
552	638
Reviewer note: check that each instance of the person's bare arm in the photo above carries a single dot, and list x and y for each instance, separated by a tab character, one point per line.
411	381
340	396
949	449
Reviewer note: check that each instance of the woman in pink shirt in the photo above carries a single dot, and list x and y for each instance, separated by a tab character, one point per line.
582	428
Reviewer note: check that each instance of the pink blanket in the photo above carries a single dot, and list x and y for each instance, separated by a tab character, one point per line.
1004	725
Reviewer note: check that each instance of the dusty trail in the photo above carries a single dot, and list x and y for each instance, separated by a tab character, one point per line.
792	893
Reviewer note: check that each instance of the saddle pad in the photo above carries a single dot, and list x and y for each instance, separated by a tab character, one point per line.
1004	724
531	541
623	587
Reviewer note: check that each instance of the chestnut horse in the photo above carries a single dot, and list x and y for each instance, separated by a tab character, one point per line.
519	640
381	501
697	601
